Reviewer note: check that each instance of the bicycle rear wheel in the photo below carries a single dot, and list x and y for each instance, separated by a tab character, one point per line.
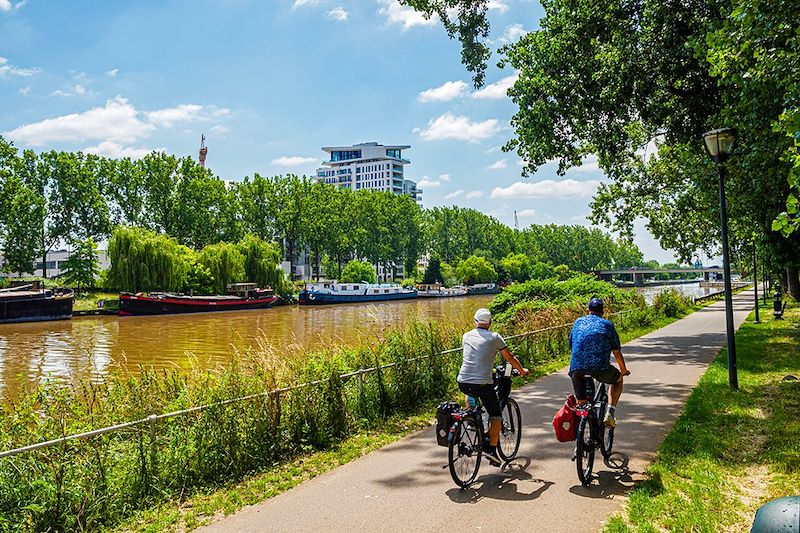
464	451
584	453
510	431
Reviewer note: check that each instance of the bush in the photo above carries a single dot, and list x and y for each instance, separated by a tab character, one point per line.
476	269
671	303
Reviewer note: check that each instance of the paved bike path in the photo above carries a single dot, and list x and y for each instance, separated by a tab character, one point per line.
403	487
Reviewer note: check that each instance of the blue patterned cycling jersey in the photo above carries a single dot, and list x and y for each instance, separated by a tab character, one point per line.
592	339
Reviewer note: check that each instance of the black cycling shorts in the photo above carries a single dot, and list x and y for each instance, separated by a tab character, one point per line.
486	394
608	375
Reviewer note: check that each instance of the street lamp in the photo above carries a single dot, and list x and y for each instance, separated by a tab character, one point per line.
719	144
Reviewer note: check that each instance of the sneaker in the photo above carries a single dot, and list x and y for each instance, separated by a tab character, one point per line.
610	421
493	458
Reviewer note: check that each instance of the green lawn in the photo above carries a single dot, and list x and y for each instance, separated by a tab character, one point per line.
87	300
729	452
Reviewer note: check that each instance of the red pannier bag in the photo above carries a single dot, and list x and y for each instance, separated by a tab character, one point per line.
565	421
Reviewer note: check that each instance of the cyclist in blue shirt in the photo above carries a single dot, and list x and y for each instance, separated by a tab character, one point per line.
593	339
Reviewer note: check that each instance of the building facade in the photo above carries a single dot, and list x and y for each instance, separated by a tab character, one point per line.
56	260
368	166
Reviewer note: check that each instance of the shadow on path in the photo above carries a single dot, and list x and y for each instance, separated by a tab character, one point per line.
509	483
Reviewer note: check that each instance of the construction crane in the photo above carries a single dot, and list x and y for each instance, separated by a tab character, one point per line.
516	222
203	151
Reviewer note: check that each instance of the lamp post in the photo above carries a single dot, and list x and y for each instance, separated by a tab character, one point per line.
755	280
719	144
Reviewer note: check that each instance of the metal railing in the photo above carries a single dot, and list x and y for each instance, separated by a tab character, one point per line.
151	420
713	295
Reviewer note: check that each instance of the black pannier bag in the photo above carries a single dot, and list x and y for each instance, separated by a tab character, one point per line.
503	387
443	421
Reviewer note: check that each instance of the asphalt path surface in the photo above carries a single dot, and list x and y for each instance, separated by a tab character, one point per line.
404	487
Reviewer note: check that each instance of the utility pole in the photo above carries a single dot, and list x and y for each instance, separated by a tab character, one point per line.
516	221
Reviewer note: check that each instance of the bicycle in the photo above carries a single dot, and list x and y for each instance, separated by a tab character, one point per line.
468	433
592	433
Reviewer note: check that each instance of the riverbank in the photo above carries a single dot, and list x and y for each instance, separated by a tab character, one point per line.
730	451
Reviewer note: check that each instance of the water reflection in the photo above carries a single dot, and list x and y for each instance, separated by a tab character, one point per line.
88	348
689	289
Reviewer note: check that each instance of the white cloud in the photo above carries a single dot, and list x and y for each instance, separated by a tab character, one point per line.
498	165
303	3
589	164
7	68
474	194
293	161
396	13
6	5
444	93
497	5
512	33
170	116
526	213
118	121
455	194
496	90
449	126
428	182
567	188
219	129
25	91
338	13
113	72
116	150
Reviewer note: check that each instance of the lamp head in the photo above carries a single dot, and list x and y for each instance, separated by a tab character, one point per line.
719	143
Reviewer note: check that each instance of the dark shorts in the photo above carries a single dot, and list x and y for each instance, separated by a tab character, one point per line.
486	394
608	375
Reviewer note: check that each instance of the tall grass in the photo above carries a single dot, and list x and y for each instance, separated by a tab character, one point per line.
99	481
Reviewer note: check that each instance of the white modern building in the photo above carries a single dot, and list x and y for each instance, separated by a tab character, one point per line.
369	166
56	260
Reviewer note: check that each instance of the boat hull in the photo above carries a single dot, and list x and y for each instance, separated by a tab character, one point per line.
130	304
472	291
316	298
36	309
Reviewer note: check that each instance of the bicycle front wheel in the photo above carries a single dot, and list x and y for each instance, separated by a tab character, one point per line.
584	452
464	451
510	431
607	442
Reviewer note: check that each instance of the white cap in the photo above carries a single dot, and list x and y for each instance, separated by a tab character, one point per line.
483	316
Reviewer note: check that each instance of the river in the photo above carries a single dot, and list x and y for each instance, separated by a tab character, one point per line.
88	348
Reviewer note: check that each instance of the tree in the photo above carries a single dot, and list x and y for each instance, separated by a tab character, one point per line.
262	262
82	266
225	262
358	271
142	260
517	267
433	274
611	78
474	270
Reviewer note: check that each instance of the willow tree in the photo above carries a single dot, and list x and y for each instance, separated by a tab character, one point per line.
262	262
225	262
142	260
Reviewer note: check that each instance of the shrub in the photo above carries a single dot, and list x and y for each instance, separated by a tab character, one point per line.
358	271
671	303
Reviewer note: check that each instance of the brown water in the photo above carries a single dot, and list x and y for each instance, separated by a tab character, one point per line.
89	348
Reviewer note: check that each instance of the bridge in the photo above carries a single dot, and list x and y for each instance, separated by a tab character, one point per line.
639	274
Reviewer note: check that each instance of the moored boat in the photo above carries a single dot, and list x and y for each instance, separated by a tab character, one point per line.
28	303
246	296
437	291
483	288
335	293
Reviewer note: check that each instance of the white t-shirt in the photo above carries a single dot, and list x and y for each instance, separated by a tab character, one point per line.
480	347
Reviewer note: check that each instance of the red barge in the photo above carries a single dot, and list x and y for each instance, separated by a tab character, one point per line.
246	296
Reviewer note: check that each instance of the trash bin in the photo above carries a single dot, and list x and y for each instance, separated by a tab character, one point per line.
781	515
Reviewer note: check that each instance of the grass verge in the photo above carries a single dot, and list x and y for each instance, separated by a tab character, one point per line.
87	300
730	451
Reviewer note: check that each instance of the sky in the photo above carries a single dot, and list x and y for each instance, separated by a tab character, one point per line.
271	82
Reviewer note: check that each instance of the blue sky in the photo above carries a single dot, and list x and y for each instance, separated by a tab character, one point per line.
270	83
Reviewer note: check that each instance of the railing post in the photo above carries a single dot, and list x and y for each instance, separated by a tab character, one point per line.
152	419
